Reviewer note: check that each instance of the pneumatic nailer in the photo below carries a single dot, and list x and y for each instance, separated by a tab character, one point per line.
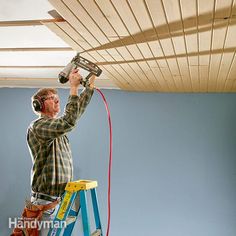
79	61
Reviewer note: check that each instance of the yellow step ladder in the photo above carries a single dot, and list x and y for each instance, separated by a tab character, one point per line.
67	214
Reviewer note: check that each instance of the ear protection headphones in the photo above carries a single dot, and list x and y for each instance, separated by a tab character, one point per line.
38	104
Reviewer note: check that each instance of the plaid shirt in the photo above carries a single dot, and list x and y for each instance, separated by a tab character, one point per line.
49	147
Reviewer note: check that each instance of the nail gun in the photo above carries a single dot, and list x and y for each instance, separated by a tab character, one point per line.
76	62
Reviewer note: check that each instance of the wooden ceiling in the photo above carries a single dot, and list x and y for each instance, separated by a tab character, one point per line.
151	45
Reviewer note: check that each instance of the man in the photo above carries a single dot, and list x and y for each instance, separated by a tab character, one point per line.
48	144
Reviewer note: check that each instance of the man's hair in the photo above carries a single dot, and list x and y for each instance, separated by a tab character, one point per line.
41	94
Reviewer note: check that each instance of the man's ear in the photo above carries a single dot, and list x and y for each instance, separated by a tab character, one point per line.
38	104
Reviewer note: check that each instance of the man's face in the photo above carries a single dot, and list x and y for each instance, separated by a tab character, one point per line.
52	104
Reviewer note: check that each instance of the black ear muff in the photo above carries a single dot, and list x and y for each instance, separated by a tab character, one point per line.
38	104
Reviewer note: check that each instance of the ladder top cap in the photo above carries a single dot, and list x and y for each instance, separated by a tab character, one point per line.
81	185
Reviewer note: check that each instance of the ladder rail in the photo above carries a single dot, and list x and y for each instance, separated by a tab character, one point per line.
84	212
95	209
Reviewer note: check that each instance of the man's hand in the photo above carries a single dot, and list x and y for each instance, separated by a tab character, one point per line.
74	79
91	81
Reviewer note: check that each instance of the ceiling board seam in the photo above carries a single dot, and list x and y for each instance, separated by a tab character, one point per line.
165	57
203	68
198	42
123	78
167	23
139	75
210	54
83	25
151	20
130	35
113	66
55	24
158	38
125	75
231	64
185	44
132	38
116	80
67	11
68	35
62	29
230	68
122	41
197	89
101	30
134	72
145	41
227	28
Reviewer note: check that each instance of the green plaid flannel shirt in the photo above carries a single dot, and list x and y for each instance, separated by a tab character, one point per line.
49	147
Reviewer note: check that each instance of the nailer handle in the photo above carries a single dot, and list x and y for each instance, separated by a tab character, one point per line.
85	82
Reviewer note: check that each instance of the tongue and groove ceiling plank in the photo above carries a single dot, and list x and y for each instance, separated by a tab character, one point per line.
144	45
155	45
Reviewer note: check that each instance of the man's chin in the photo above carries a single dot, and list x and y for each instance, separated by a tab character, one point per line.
56	112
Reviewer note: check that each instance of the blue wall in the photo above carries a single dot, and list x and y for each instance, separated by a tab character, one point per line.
174	160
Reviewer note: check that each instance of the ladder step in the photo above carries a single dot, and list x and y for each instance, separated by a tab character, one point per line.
98	232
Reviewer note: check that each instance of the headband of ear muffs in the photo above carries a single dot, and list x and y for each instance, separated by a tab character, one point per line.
38	104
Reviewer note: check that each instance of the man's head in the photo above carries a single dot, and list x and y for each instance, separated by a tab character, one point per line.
46	101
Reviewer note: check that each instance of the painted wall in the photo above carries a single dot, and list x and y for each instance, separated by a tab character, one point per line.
174	162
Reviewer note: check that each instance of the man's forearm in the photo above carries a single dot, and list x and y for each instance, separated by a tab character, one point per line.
74	91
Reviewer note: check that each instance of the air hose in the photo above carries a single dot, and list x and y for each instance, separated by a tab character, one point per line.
110	162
